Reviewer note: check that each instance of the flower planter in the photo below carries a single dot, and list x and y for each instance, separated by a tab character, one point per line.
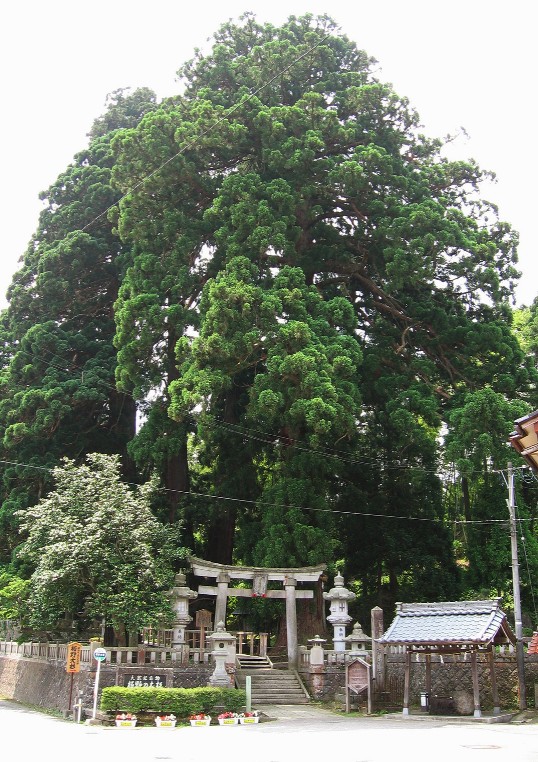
126	723
166	723
249	720
228	720
198	723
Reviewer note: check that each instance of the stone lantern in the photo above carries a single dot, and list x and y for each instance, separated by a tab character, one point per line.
316	652
223	652
180	596
359	641
339	597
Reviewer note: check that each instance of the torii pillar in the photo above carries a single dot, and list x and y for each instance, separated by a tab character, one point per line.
290	583
223	580
259	578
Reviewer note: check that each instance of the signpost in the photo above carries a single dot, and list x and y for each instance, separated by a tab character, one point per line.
99	655
73	657
72	665
358	680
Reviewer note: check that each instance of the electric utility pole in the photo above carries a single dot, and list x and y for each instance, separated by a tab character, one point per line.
520	654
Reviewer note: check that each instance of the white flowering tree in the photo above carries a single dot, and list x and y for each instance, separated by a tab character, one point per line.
98	550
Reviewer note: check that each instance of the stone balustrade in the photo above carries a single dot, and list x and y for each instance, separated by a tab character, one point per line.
57	652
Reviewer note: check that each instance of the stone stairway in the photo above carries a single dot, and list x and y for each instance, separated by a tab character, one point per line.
273	686
246	661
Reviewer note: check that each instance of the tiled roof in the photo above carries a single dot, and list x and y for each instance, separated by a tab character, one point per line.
449	622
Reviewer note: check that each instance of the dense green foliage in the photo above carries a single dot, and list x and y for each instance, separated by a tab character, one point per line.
309	306
57	390
98	550
179	701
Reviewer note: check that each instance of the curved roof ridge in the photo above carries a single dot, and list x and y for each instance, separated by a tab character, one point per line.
457	623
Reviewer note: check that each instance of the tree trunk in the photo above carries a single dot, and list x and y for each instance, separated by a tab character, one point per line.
125	427
466	498
310	622
120	638
177	480
220	536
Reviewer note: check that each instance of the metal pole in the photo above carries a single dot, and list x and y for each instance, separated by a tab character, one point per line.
96	690
70	692
520	654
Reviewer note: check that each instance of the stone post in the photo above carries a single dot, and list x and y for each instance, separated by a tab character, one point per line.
223	580
378	651
290	583
317	667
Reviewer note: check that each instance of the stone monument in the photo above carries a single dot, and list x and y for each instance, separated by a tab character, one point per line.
180	596
339	597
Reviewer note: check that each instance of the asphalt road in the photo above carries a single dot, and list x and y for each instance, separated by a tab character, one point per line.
293	735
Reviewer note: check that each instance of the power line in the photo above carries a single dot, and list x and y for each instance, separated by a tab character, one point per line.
268	504
268	437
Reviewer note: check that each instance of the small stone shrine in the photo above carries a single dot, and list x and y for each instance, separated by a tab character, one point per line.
359	641
223	653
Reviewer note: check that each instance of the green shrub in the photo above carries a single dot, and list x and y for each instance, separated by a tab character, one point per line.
179	701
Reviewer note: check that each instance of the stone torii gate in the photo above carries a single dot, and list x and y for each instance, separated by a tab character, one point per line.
260	577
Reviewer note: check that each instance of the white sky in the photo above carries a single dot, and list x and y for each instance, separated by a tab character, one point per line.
469	64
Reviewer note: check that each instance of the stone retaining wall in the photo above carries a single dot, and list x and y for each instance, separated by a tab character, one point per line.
39	683
48	685
44	684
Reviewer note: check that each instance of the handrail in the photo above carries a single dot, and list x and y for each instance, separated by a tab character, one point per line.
298	676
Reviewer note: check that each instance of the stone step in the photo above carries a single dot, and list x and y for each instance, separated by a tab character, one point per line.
264	701
262	674
253	662
276	694
273	687
274	684
269	674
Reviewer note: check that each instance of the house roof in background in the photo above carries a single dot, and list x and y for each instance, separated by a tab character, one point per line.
525	438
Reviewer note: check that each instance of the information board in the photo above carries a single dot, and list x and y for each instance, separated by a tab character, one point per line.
143	681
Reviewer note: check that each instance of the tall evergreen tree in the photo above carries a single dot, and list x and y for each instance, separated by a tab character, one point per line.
477	444
57	386
305	294
285	151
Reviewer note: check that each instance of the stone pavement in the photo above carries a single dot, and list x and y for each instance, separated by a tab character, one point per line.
314	715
